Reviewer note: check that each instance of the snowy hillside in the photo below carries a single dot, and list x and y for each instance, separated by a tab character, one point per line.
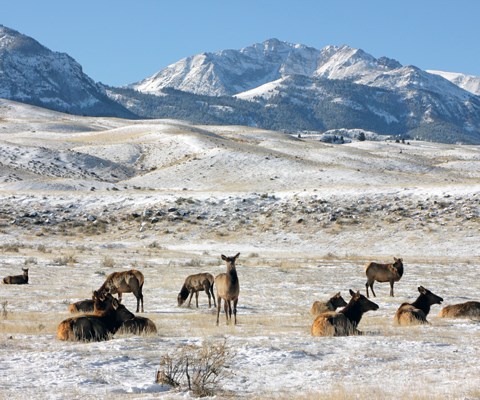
82	197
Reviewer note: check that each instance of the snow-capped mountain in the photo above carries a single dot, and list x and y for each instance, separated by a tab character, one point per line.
469	83
232	72
31	73
272	85
331	88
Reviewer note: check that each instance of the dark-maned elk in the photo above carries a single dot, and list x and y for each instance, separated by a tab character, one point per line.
344	322
319	307
228	289
138	326
383	273
416	312
125	282
17	279
134	324
84	306
99	326
194	284
469	309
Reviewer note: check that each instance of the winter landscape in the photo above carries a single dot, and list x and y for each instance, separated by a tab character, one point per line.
308	162
82	197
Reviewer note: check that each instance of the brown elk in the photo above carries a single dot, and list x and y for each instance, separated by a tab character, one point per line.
194	284
17	279
228	289
84	306
345	322
125	282
99	326
416	312
383	273
138	326
469	309
319	307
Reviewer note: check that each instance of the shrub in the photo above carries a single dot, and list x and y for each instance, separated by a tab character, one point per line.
108	262
198	368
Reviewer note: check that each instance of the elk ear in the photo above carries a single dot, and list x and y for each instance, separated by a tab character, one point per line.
422	290
224	258
352	293
338	294
236	256
395	259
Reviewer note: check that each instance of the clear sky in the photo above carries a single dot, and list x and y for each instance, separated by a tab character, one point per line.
123	41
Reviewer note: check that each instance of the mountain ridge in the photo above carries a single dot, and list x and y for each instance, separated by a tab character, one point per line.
271	85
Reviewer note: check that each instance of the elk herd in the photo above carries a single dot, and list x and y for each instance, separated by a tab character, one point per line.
103	315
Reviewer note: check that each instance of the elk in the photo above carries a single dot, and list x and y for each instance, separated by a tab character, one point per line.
99	326
416	312
319	307
228	289
345	322
84	306
383	273
130	323
469	309
194	284
125	282
138	326
17	279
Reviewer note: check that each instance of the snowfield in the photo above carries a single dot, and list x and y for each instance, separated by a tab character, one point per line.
82	197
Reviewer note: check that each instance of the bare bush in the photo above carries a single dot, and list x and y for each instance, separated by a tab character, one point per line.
69	259
201	369
108	262
4	309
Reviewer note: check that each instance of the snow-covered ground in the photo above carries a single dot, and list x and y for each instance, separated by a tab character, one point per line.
82	197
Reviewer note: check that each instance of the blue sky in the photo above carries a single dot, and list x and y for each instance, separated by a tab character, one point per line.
123	41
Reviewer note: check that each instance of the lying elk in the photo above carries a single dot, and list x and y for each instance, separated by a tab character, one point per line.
99	326
319	307
125	282
17	279
228	289
194	284
416	312
383	273
470	309
138	326
84	306
345	322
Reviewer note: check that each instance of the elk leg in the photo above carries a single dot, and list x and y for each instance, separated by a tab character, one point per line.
208	294
219	301
391	288
196	298
235	310
371	287
228	310
190	299
366	286
211	290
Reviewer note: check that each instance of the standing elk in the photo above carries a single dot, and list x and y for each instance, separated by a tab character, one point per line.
125	282
319	307
469	309
416	312
194	284
99	326
228	289
383	273
345	322
17	279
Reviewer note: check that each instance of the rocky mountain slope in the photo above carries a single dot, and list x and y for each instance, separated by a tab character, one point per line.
31	73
